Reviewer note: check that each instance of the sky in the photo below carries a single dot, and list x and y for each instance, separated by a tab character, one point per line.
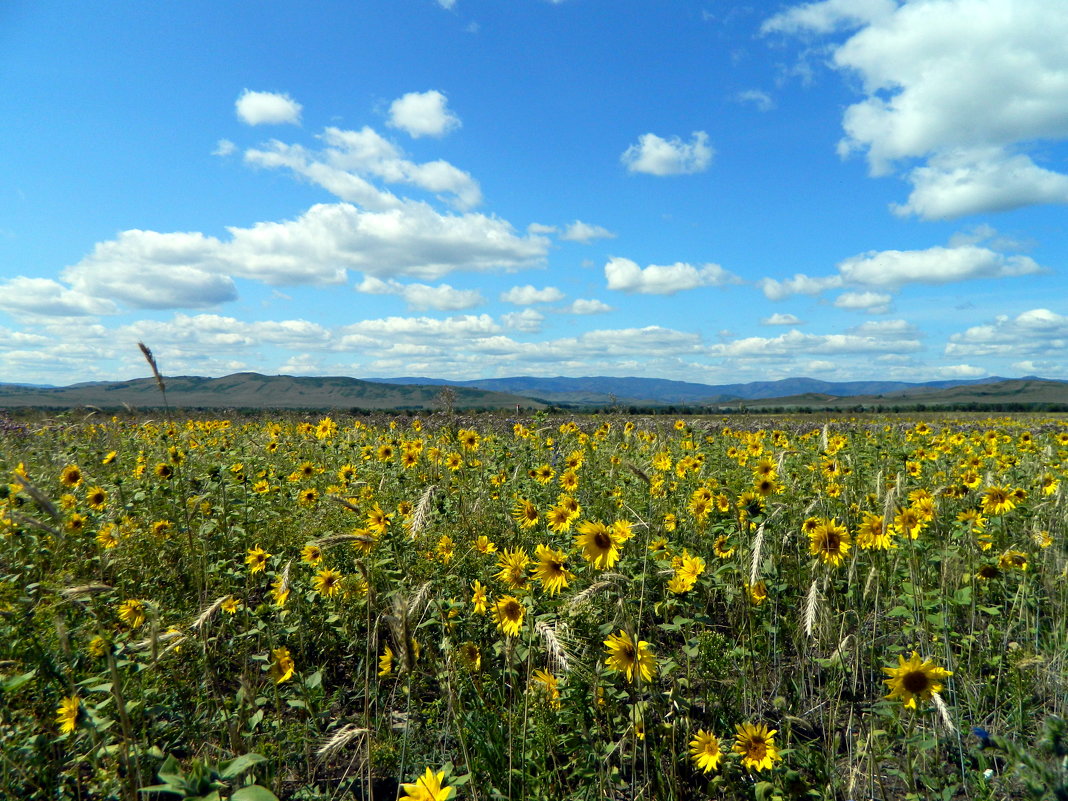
697	190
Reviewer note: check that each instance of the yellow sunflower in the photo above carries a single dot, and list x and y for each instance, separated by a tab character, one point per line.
256	559
599	544
755	742
67	714
281	665
705	751
327	582
525	513
508	614
829	541
629	659
551	570
427	788
914	679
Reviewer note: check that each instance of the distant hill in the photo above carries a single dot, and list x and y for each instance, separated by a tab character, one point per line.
603	390
255	391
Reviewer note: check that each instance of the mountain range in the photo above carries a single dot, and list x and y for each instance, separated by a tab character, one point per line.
256	391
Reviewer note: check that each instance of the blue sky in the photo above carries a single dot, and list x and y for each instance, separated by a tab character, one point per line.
706	191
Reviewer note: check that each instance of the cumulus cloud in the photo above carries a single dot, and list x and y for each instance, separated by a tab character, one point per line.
587	306
967	86
782	319
936	265
423	114
892	269
656	156
150	270
45	297
794	342
625	275
871	302
528	321
528	294
800	284
961	371
224	147
579	231
1040	332
267	108
422	297
351	159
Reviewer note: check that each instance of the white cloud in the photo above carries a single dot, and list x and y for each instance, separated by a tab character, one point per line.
150	270
973	181
45	297
626	276
891	269
961	371
828	16
528	321
871	302
224	147
781	319
538	228
760	99
267	108
587	306
423	114
800	284
968	86
657	156
351	158
1036	332
936	265
422	297
794	342
579	231
885	328
528	294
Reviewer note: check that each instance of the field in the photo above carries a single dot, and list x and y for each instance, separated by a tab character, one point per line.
534	608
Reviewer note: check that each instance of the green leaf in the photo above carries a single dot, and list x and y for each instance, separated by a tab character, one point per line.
238	765
253	792
314	680
15	682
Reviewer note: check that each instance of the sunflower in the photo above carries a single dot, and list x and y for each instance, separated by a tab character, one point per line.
108	536
427	788
377	520
470	656
558	519
1013	560
872	534
629	659
132	613
987	572
485	545
705	751
758	593
230	605
830	542
311	554
385	662
550	569
508	614
256	559
569	480
281	665
478	597
97	498
71	476
164	471
998	500
755	742
280	591
543	474
513	567
445	548
549	685
308	496
327	582
525	513
599	544
67	714
914	679
722	547
468	439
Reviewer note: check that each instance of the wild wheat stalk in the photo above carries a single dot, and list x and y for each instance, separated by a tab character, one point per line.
754	566
421	514
812	607
155	371
943	711
332	745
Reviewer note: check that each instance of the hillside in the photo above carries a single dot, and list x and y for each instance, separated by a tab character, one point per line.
255	391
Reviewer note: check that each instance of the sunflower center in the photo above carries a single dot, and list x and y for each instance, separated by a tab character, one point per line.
512	610
915	681
757	750
832	542
602	541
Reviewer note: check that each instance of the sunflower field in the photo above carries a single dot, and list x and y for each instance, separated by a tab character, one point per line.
533	608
